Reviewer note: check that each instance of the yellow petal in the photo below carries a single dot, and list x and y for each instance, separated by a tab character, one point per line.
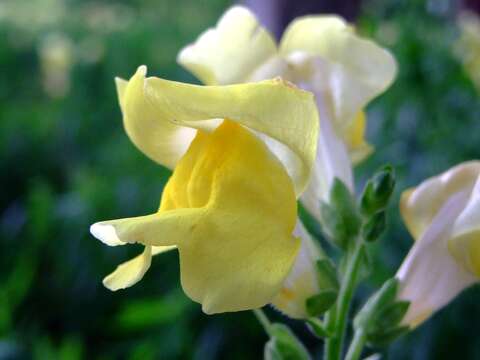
345	70
159	117
121	86
419	205
172	225
130	272
230	209
230	52
358	148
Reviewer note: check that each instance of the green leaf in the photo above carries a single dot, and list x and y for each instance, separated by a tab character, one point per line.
386	337
385	295
320	303
284	345
391	315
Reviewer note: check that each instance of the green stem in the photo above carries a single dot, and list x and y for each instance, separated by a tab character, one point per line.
356	346
263	319
334	345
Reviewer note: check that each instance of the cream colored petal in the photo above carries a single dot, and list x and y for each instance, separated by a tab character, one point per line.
429	276
327	56
464	243
230	52
302	281
419	205
158	114
130	272
332	161
335	41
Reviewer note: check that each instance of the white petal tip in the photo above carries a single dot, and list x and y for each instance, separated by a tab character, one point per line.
142	70
106	234
111	287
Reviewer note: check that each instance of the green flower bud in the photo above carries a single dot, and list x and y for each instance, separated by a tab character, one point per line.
374	227
378	191
340	218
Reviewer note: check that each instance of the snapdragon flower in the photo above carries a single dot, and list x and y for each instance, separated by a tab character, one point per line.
443	216
230	205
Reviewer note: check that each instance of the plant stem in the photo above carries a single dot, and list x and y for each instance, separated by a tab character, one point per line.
334	345
263	319
356	346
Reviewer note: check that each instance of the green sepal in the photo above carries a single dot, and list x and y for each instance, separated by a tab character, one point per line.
384	296
318	304
327	274
340	217
374	227
377	191
391	315
385	337
317	328
284	345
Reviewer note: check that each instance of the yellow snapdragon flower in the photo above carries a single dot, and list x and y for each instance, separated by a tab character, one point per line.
230	204
321	54
443	215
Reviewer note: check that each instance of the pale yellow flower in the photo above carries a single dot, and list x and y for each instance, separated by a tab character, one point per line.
230	205
443	215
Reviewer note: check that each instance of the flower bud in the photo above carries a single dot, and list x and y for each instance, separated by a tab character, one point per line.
377	191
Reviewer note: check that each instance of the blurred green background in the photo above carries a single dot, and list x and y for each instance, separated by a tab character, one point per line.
66	163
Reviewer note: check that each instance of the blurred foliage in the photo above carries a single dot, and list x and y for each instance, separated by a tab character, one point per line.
66	162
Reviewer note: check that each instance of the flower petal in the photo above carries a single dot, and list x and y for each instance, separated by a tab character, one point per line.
419	205
230	52
302	281
238	258
430	277
159	116
348	70
464	243
331	162
164	229
130	272
358	148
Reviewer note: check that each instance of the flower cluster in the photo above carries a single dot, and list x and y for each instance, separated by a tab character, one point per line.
271	125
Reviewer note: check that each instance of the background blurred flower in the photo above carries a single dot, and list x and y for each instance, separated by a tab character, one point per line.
56	57
467	46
